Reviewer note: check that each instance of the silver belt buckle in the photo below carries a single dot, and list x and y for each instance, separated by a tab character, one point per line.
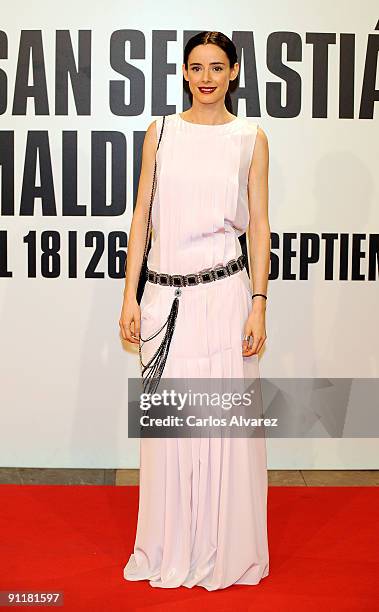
232	266
220	271
177	280
206	275
163	277
191	279
151	276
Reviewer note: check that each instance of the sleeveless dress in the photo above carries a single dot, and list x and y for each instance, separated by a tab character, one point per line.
202	517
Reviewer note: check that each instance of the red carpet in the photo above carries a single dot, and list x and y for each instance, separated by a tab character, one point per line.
76	539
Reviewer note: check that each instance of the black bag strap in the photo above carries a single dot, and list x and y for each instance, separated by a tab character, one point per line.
152	191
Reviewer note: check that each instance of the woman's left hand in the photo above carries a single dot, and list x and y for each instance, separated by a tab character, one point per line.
255	326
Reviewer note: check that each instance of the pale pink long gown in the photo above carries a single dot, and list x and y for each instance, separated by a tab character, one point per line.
202	516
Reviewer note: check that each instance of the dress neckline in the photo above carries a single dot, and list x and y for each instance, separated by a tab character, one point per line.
207	125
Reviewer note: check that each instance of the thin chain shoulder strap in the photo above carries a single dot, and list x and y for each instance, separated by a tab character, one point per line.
152	190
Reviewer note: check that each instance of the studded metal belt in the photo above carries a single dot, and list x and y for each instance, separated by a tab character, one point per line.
204	276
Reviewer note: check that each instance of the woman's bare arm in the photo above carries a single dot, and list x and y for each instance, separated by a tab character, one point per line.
259	238
259	227
138	226
129	321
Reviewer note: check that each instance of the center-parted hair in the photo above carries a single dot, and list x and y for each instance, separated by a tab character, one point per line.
215	38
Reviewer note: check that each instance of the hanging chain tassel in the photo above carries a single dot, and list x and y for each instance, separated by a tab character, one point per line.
155	366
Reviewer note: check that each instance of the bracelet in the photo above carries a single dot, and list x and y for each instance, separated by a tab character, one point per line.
254	294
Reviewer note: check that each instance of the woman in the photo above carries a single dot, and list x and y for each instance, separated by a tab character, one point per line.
202	505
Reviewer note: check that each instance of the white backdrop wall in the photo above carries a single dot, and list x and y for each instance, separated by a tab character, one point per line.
63	217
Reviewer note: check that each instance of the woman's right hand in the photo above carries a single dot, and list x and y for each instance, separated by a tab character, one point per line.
130	320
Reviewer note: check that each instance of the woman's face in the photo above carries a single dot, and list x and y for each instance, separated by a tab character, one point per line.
208	66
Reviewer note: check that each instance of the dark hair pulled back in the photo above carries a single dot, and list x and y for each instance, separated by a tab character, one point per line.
215	38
